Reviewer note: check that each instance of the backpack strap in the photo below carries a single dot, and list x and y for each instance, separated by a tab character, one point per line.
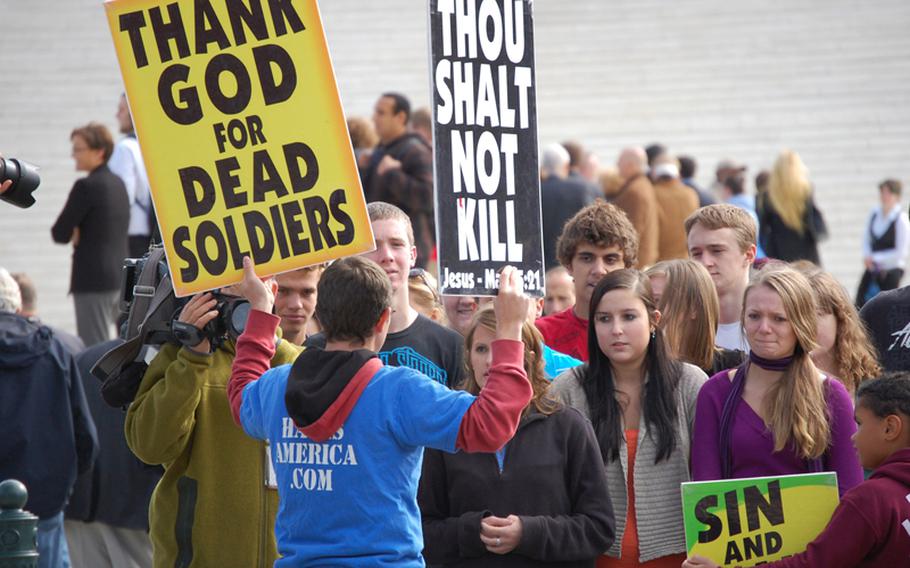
144	292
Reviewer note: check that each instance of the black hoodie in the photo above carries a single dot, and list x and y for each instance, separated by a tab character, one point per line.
552	478
323	387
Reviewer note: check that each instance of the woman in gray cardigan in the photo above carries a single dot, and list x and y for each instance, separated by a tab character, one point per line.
642	405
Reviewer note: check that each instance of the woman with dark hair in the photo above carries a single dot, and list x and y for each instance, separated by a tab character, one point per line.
95	220
540	500
641	402
776	414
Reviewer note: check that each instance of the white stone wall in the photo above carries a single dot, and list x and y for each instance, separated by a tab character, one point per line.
710	78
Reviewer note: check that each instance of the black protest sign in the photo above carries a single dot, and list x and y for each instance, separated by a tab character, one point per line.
485	144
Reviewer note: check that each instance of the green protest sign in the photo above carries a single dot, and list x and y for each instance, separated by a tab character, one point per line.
746	522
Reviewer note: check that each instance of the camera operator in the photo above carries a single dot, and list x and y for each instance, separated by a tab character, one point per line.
214	505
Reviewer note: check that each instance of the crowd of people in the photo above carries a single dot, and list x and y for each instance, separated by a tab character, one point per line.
363	419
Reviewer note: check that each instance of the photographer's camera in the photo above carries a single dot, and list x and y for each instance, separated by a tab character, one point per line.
25	180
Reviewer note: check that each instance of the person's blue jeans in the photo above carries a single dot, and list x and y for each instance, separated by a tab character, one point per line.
52	549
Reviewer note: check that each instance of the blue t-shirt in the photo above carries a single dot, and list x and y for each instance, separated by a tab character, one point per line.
352	500
555	362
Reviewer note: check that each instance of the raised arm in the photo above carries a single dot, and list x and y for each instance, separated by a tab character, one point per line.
256	345
493	418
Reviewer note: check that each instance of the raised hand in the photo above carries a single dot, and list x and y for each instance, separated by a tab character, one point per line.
259	291
511	305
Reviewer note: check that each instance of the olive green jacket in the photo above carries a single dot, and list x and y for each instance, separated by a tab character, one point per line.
212	506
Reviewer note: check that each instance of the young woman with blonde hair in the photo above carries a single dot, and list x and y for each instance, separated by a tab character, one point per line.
689	314
424	297
540	500
776	414
844	348
790	223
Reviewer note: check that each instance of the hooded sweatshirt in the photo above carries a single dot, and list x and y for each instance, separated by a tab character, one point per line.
550	475
48	434
347	436
871	525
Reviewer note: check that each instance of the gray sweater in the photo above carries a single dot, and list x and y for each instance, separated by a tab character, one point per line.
658	504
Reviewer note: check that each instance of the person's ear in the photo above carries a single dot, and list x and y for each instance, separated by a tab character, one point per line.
413	255
383	322
750	253
656	317
894	427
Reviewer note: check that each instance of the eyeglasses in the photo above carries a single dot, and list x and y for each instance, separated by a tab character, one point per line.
421	274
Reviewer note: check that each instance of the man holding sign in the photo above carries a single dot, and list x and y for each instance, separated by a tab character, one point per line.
247	153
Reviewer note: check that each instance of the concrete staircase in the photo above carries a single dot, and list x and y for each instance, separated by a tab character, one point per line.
708	78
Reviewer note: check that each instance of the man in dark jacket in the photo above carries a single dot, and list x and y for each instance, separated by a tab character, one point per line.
400	171
95	219
48	434
107	519
560	198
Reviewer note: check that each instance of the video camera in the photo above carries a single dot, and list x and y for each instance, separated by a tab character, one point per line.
138	275
147	299
25	180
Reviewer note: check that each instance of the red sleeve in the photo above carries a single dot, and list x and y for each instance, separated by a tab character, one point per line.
493	418
844	543
255	349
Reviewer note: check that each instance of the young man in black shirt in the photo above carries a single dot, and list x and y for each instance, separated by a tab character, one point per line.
413	340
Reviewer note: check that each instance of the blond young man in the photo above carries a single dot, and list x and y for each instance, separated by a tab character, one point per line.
722	237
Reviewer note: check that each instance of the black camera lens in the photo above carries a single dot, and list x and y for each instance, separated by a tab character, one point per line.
25	180
239	316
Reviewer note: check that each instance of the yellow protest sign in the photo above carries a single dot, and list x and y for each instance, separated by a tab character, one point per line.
746	522
242	132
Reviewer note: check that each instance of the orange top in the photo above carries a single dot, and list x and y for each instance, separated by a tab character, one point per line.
629	549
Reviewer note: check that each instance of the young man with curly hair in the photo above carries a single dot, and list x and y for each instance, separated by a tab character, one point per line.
596	241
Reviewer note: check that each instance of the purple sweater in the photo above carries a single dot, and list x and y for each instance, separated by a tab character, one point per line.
752	444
